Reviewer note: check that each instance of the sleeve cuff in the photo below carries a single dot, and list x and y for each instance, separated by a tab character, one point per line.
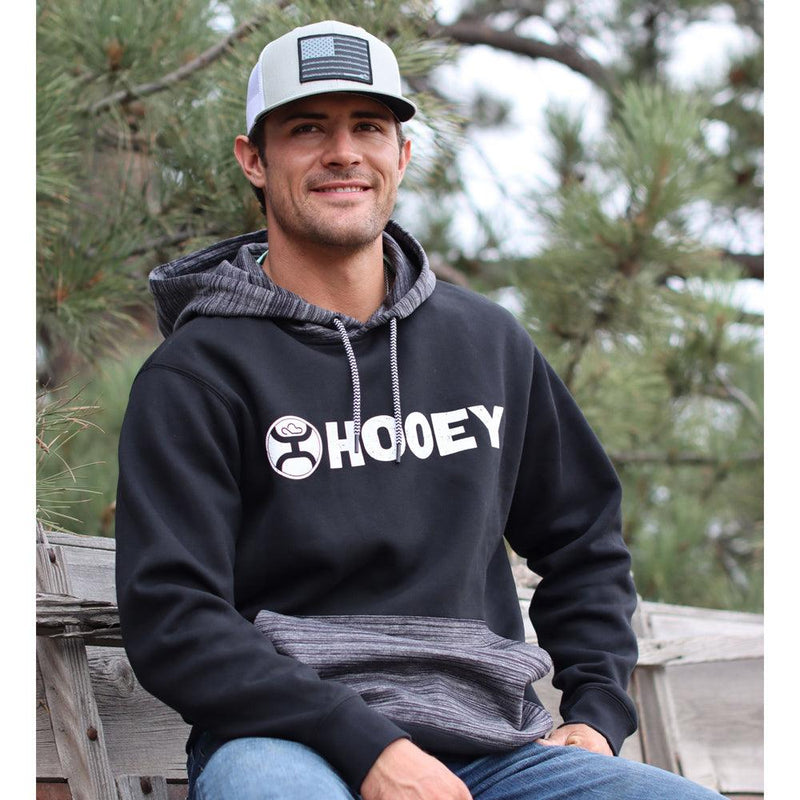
604	711
352	737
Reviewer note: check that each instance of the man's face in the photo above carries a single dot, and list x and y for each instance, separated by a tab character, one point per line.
332	167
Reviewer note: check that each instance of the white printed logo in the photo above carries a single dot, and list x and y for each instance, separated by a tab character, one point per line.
294	447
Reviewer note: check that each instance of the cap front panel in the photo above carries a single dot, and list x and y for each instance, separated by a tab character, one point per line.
334	57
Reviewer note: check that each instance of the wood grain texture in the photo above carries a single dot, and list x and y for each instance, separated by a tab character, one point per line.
69	696
142	787
652	694
142	735
90	563
130	714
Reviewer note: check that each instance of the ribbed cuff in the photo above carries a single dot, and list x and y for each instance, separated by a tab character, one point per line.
605	712
352	737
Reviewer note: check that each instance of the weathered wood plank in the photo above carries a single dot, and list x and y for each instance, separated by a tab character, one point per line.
132	715
90	563
142	787
719	706
698	649
142	735
47	763
68	616
719	710
651	693
77	540
671	620
76	725
686	636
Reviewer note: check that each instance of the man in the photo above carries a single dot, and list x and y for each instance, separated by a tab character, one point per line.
311	564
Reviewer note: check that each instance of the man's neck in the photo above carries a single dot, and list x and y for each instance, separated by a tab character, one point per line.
349	282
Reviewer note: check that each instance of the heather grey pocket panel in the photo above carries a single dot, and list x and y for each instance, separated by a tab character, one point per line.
450	676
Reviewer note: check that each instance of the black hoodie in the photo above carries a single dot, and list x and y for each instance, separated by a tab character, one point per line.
312	515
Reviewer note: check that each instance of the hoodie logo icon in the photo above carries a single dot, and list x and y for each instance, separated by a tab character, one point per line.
294	447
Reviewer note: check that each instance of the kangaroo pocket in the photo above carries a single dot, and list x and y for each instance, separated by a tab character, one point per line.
452	683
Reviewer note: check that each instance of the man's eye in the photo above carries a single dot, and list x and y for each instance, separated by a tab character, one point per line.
308	128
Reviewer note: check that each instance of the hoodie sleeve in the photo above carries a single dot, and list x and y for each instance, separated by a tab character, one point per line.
178	512
565	520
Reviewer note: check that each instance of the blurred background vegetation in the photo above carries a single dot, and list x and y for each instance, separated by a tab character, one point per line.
624	254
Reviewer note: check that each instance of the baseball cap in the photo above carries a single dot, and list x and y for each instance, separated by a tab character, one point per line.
320	58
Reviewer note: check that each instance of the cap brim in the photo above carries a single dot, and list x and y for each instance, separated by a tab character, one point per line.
403	110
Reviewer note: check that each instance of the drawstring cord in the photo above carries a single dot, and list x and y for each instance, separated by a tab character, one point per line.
351	360
354	376
398	419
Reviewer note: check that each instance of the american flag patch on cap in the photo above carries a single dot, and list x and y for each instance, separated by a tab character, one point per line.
334	57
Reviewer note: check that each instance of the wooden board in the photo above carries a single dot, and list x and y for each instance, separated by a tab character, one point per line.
67	690
719	705
129	714
90	564
47	762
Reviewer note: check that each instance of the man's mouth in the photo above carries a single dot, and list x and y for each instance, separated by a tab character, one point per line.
339	188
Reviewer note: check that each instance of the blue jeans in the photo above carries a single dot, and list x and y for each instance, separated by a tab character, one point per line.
274	769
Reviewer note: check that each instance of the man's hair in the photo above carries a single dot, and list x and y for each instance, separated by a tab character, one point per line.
257	139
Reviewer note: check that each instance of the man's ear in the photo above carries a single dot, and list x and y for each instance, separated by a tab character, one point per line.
405	157
247	155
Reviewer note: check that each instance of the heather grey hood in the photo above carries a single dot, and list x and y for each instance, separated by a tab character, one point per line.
225	280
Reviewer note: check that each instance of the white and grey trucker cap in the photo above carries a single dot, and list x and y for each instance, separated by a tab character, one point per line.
325	57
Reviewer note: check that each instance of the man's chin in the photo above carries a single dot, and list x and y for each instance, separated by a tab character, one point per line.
343	235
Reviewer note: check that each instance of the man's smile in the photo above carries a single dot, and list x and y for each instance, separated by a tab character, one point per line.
340	188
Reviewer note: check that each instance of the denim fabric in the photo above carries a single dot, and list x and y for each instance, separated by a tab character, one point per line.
261	769
274	769
549	772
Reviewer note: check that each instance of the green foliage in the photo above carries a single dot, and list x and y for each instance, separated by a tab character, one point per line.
666	368
78	431
59	489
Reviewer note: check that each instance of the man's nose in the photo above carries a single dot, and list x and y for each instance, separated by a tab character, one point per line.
341	149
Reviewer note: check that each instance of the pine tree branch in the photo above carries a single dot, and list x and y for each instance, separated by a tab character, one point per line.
584	337
201	62
171	239
474	31
672	458
577	354
732	392
149	245
753	263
